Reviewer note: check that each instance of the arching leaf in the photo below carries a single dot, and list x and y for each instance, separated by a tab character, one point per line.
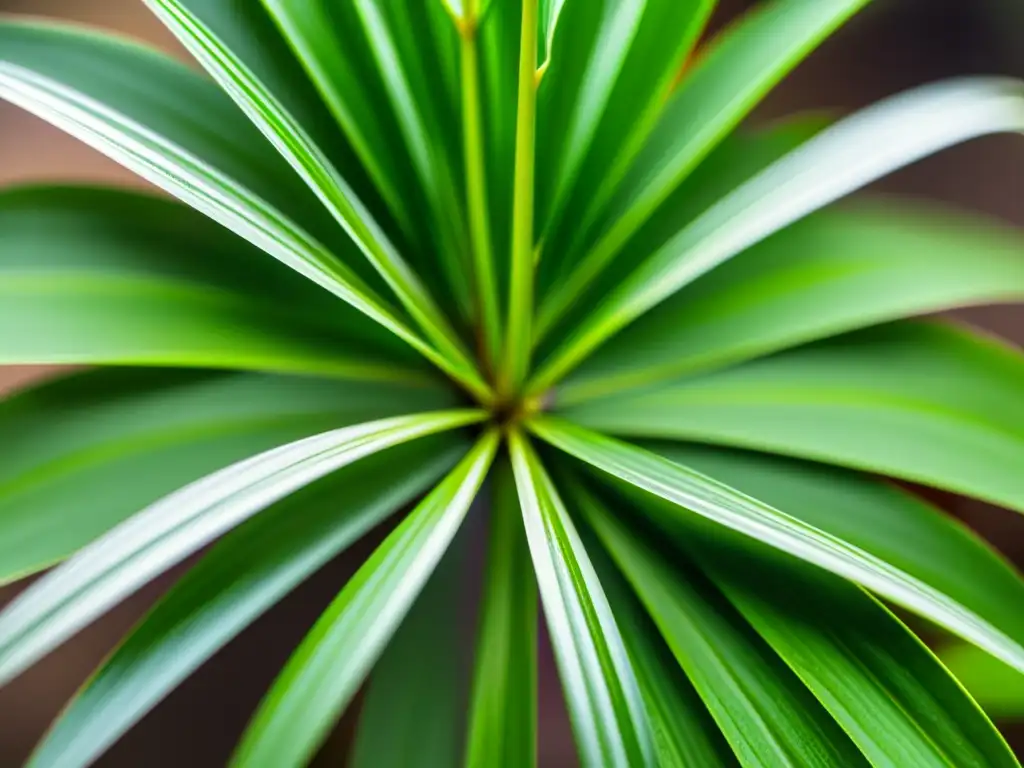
835	272
242	576
100	575
836	162
81	454
922	401
328	667
819	539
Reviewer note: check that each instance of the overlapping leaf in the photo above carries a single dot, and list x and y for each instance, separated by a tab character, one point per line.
94	275
168	531
413	710
242	576
736	674
107	443
328	667
727	83
832	273
604	702
920	401
836	162
285	131
502	730
796	527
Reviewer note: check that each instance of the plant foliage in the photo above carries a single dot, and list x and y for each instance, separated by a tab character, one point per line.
425	250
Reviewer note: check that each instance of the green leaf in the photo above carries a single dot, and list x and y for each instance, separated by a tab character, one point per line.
81	454
102	574
242	576
326	670
503	709
328	42
832	273
178	131
409	50
548	14
880	683
604	702
743	65
839	160
612	74
684	732
998	687
93	275
762	708
285	131
739	158
413	709
922	401
814	535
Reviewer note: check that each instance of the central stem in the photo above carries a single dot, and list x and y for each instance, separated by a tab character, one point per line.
518	337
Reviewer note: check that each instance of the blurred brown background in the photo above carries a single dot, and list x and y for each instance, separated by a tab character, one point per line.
894	45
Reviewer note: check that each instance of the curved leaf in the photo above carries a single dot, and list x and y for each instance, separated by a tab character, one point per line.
832	273
242	576
503	709
141	109
604	702
166	532
880	683
81	454
762	708
548	14
684	732
286	132
921	401
836	162
608	86
93	275
327	668
688	494
409	50
412	712
743	65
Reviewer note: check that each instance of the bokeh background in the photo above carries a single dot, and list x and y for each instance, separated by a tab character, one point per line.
893	45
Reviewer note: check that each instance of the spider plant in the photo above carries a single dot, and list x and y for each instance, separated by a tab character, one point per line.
520	250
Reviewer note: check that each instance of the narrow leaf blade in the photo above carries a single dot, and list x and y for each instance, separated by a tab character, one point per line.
113	567
607	712
327	668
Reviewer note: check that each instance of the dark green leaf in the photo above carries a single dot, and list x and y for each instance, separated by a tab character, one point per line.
328	667
832	273
81	454
503	709
604	702
92	275
921	401
848	548
762	708
163	534
242	576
